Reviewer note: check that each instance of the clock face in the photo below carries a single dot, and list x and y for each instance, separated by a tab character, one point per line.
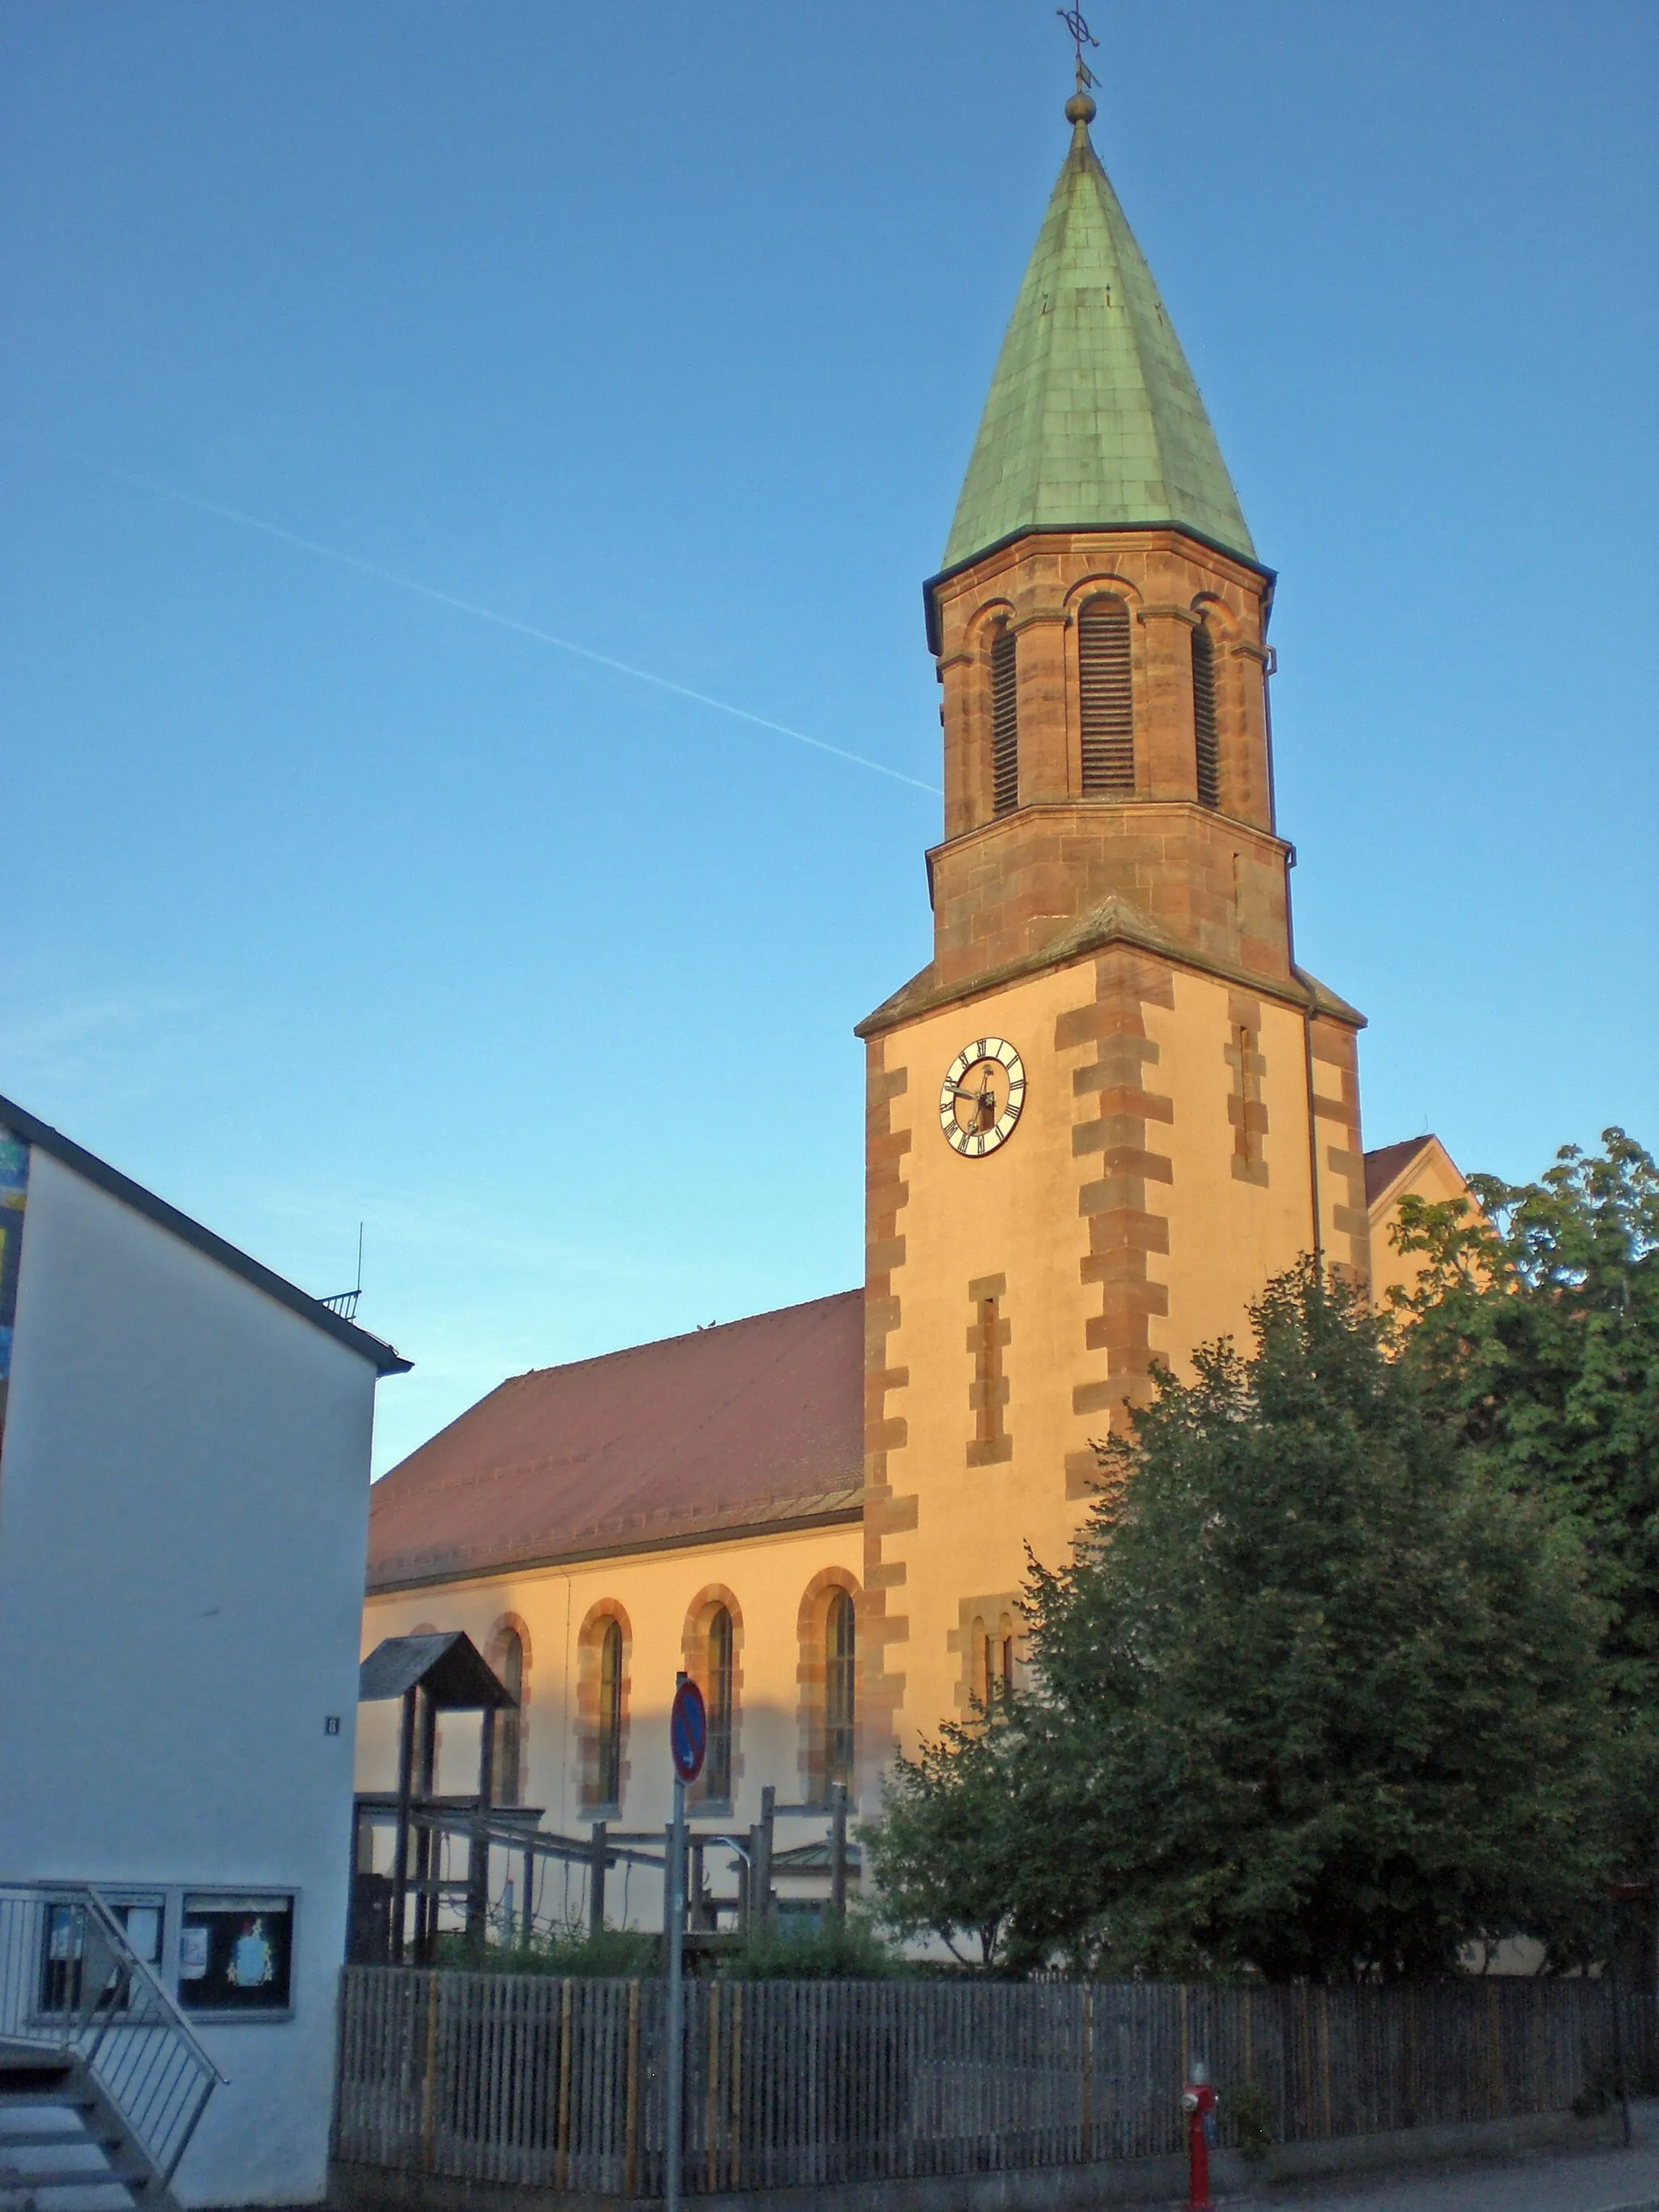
981	1096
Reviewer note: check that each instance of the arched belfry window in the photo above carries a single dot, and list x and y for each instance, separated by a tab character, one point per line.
611	1714
1105	696
1005	721
717	1763
841	1664
1206	744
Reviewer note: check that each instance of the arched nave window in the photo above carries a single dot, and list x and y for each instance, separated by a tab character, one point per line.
717	1768
507	1657
839	1686
610	1712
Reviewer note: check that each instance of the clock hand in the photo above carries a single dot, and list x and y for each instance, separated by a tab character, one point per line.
987	1089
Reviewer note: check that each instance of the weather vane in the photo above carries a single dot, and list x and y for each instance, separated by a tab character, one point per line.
1081	36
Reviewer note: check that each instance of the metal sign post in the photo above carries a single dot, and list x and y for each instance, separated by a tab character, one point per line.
688	1740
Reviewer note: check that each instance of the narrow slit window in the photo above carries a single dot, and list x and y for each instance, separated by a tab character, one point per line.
1205	741
1005	722
1106	697
988	1372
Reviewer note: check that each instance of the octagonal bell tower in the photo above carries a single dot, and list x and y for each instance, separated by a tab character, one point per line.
1111	914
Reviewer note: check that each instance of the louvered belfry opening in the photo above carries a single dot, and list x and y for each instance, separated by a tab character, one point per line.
1106	697
1005	722
1205	741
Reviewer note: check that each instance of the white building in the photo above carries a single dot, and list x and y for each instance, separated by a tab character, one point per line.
184	1495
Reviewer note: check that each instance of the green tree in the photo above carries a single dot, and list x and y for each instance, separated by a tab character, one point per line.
947	1849
1314	1696
1535	1330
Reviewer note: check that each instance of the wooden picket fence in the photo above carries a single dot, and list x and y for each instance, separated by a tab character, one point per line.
530	2079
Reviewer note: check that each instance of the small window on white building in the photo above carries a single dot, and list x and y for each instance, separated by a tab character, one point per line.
236	1954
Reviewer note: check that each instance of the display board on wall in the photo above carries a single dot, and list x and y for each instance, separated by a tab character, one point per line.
235	1952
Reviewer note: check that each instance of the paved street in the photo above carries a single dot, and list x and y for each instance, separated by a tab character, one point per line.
1547	2181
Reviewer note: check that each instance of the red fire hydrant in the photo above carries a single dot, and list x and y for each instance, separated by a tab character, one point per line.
1198	2102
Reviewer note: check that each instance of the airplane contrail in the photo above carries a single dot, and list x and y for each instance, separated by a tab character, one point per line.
464	606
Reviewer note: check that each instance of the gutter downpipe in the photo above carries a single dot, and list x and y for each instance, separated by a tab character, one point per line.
1308	1009
1313	1134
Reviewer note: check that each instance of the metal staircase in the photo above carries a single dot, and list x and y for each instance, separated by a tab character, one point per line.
102	2082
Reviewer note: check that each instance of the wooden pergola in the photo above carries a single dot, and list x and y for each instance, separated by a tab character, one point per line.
434	1675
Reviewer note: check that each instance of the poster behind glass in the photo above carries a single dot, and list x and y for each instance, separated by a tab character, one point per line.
235	1953
69	1933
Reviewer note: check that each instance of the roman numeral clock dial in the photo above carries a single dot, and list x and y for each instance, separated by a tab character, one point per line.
981	1096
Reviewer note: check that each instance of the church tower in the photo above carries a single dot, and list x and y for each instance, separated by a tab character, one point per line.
1112	1105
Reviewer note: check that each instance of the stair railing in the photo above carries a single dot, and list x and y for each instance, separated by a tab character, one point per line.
71	1981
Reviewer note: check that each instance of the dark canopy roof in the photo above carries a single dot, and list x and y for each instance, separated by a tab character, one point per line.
450	1668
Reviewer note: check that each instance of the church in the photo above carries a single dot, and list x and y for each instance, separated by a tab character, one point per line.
1112	1105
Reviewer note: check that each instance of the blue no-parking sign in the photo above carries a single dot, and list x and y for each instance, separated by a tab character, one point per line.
688	1731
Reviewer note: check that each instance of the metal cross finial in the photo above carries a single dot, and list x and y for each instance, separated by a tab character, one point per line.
1081	36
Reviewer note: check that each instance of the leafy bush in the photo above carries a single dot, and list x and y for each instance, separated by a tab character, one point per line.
568	1948
1253	2117
821	1951
827	1951
1597	2095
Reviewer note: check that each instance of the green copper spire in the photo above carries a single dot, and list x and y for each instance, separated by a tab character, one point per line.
1094	420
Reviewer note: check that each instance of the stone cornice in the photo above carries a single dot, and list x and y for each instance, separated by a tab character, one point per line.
1114	921
993	557
759	1517
999	824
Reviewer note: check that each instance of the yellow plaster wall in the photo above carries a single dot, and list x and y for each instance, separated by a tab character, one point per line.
947	1538
1226	1235
766	1578
1014	1213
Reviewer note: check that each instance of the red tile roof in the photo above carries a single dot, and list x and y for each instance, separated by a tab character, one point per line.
1382	1166
750	1423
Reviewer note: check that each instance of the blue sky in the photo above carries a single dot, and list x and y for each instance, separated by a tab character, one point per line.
664	331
